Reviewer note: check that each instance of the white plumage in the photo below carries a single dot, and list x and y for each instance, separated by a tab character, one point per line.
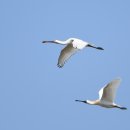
72	46
108	92
107	95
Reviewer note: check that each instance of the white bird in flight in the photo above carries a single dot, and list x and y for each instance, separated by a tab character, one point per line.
72	46
106	96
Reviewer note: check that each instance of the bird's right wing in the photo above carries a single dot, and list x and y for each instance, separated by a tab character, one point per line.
65	54
108	92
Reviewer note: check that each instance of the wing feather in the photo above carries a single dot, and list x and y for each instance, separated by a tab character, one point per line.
65	54
108	92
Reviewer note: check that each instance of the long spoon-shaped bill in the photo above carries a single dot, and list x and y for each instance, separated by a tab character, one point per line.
48	42
80	101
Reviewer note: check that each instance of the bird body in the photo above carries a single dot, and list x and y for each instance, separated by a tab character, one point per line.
79	44
72	46
106	96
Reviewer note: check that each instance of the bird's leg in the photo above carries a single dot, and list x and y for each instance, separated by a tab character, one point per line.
99	48
122	108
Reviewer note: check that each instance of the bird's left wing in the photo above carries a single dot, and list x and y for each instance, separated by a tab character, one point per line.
108	92
65	54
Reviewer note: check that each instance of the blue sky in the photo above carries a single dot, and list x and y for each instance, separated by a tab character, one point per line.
34	93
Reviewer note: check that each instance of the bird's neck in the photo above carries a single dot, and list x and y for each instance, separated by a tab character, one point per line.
61	42
92	102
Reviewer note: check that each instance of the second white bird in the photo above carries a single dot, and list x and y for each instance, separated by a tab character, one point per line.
106	96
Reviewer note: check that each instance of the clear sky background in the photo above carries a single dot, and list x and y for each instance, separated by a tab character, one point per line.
34	93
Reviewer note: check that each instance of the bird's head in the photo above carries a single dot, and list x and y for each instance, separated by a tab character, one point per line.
84	101
70	40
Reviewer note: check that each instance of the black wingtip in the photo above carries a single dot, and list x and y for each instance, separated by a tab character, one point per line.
59	65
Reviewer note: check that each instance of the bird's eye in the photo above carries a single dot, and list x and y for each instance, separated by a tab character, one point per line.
72	40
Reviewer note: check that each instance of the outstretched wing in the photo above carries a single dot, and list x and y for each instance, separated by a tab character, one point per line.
65	54
108	92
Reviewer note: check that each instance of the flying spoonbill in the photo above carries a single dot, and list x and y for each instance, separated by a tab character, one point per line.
72	46
106	96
